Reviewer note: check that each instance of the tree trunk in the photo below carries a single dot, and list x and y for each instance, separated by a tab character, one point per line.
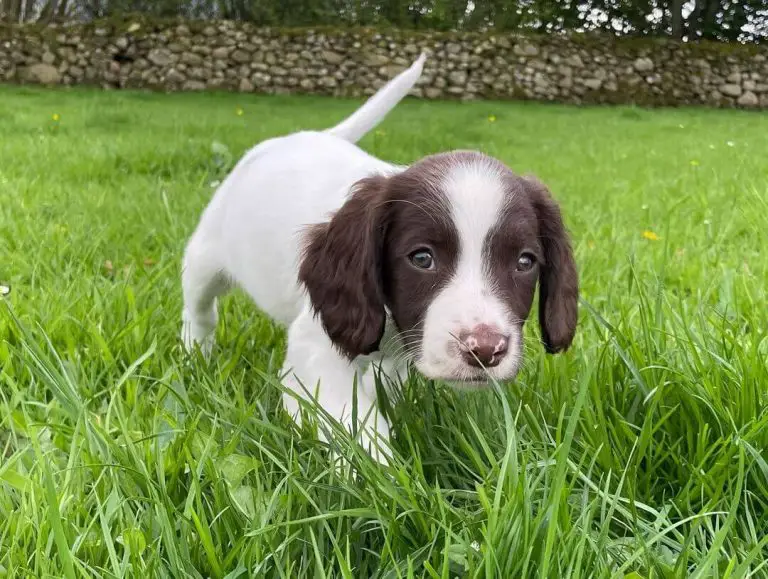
455	11
12	10
695	20
709	25
677	19
48	13
29	11
61	10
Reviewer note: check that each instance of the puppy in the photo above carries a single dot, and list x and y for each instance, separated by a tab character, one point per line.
372	265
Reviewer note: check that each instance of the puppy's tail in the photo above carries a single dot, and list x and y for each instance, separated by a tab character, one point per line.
373	111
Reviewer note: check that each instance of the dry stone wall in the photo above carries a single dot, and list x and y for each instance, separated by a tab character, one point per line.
192	56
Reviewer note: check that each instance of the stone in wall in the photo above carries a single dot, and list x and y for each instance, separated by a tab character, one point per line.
194	56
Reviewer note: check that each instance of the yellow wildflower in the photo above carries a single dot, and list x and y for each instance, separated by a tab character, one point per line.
55	117
492	119
239	112
650	235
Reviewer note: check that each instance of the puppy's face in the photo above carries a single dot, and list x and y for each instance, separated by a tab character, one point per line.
453	247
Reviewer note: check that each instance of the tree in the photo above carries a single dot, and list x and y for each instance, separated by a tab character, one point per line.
722	20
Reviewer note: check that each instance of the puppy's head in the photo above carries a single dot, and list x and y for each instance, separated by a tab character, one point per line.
453	246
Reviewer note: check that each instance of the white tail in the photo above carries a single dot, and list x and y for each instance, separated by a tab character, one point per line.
373	111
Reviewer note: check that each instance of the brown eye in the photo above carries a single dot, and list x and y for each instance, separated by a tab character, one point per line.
422	259
526	262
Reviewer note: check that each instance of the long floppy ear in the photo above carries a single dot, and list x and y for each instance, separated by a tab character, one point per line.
558	279
341	270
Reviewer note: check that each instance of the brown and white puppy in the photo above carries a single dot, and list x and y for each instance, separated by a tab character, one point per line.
372	264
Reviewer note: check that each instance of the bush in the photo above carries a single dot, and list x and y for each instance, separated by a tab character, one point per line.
725	20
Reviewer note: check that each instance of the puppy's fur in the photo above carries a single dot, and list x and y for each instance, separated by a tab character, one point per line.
373	264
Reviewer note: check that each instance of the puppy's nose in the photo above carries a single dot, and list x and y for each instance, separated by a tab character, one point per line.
483	346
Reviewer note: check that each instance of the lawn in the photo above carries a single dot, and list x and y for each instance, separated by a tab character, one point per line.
642	452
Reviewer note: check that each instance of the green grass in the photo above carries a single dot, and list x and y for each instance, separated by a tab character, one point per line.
642	452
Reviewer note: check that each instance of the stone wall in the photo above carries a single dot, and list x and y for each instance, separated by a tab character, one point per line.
236	56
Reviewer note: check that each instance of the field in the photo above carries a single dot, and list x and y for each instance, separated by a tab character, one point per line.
642	452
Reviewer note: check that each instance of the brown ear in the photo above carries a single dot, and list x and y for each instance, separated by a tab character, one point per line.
341	271
558	280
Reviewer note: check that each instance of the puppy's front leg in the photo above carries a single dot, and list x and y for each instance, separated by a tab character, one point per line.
313	366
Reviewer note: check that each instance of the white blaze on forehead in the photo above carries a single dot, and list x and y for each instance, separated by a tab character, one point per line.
476	196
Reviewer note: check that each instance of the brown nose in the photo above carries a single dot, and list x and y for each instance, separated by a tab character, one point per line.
483	346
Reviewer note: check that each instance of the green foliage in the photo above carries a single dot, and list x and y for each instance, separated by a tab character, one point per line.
725	20
642	452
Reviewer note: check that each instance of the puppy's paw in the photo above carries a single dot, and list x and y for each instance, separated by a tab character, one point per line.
373	436
195	335
371	431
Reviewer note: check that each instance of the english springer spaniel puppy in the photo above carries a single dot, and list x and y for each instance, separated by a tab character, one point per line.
374	265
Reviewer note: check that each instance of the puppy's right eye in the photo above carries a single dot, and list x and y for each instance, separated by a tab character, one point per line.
525	262
422	258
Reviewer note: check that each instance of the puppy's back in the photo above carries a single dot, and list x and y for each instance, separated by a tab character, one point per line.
258	213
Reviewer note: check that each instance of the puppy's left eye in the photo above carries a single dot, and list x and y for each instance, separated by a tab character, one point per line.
422	259
525	262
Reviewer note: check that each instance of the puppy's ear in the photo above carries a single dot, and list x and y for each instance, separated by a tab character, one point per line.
341	270
558	279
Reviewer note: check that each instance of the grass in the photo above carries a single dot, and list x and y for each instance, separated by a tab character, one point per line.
642	452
